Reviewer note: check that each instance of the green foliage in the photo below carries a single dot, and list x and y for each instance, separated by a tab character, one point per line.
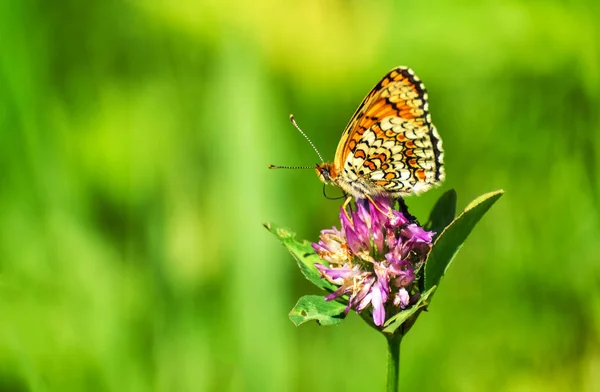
309	307
392	325
452	238
442	214
304	254
314	307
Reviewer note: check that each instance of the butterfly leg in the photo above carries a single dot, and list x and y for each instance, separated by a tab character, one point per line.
346	210
386	213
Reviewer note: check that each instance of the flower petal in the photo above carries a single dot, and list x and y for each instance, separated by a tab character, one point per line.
378	308
415	233
402	298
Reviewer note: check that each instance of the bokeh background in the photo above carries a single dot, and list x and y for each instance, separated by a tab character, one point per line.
133	187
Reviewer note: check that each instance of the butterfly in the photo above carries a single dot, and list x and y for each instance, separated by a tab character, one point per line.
389	147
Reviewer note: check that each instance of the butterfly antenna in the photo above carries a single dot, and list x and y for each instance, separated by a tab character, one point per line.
290	167
306	137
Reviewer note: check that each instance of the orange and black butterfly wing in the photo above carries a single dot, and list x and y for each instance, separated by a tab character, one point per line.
390	145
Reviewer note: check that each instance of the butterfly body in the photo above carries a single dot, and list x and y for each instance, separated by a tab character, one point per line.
389	147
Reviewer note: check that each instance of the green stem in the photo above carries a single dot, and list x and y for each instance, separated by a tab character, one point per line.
393	362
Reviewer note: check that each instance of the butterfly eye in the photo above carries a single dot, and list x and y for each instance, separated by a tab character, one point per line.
324	173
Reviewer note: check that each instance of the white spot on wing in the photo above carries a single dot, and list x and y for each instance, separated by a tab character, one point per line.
377	175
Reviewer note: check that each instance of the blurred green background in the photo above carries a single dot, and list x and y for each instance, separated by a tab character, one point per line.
133	185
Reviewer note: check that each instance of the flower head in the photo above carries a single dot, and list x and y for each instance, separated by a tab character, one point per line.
375	258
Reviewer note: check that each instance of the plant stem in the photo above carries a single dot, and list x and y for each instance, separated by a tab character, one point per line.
393	362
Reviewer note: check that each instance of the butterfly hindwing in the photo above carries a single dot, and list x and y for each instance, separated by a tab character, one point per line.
390	143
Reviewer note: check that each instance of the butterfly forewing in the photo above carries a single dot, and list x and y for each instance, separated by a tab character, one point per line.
390	145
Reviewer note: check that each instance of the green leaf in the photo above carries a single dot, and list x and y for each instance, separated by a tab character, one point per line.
304	254
392	325
453	237
314	307
443	213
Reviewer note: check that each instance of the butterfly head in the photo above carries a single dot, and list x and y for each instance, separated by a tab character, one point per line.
326	172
